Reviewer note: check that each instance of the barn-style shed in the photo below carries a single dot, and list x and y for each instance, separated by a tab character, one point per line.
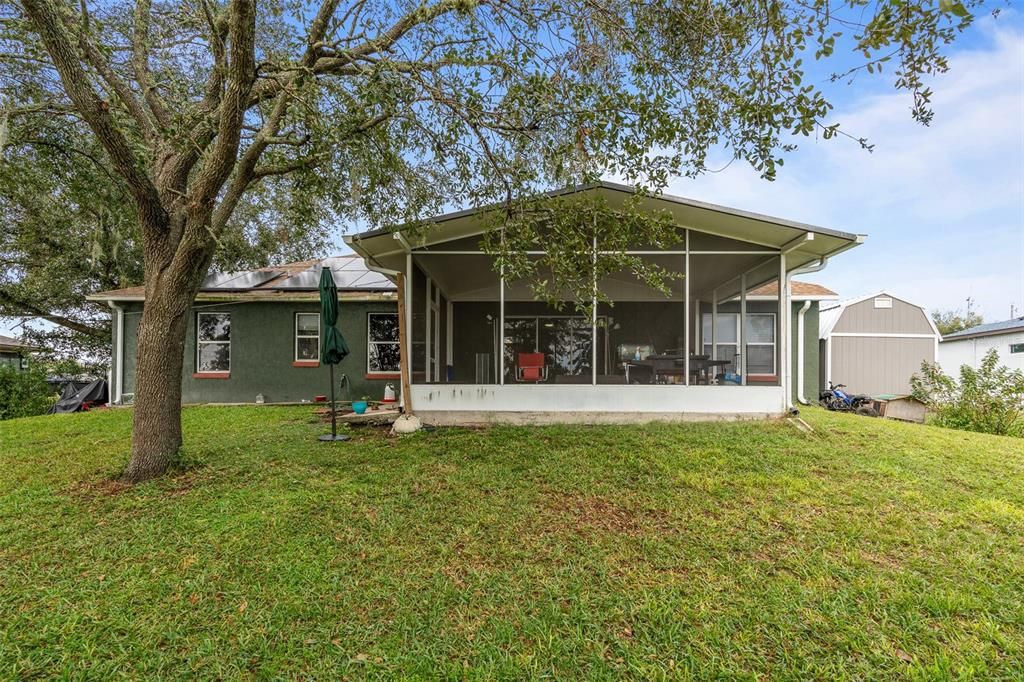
874	344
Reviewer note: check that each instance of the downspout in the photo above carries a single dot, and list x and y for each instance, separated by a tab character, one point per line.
118	378
800	353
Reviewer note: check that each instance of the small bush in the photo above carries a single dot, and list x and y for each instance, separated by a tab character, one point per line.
24	393
989	399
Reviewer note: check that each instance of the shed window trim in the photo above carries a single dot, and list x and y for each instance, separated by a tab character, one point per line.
1016	348
372	344
299	334
201	342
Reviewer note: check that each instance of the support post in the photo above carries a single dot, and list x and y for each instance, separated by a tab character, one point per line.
783	341
593	314
448	341
714	330
403	344
428	337
501	328
743	329
686	307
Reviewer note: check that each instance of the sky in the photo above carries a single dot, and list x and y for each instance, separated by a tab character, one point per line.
942	206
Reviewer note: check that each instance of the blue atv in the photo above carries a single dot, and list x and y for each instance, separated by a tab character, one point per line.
838	400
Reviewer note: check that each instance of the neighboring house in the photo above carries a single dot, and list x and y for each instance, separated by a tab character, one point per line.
968	347
717	346
874	344
14	353
258	333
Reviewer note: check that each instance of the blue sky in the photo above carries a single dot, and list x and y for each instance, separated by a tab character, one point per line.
943	206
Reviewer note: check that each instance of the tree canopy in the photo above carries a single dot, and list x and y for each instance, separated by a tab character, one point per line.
955	320
378	111
68	229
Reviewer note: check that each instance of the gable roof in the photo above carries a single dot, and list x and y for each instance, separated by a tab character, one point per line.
386	248
9	343
829	315
801	291
989	329
290	281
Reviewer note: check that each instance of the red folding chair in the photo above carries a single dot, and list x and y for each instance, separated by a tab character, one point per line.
531	368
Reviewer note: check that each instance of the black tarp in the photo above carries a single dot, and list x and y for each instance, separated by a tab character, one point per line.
73	399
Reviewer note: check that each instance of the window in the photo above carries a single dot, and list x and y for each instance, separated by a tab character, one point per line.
1017	347
307	337
759	337
883	302
382	354
213	342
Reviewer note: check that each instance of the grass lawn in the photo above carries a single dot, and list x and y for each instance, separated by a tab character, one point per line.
869	549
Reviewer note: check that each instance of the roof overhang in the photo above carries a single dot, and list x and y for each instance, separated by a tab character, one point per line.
263	296
804	245
1006	331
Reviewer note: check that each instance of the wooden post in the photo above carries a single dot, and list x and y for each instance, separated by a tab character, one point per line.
403	347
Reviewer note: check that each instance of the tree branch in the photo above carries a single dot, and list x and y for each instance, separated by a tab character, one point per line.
46	20
234	103
140	63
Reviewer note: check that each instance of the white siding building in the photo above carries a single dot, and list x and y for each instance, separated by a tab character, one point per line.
968	347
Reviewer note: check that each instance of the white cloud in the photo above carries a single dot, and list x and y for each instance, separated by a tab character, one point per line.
943	205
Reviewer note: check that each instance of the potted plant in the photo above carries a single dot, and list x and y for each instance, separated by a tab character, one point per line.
359	406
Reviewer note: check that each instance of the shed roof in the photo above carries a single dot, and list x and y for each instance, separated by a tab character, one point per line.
988	329
829	315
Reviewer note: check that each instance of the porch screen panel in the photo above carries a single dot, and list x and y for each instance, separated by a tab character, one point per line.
644	326
418	333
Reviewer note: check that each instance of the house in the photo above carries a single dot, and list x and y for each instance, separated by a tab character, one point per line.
968	347
874	344
257	333
715	347
14	353
724	343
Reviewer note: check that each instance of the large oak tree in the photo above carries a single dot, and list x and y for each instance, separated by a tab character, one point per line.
68	229
388	108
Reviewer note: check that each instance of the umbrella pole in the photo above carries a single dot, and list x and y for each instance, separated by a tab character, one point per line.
334	412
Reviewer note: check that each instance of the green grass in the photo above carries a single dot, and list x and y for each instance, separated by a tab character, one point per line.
869	549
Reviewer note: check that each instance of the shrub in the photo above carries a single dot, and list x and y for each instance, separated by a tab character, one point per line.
989	399
24	393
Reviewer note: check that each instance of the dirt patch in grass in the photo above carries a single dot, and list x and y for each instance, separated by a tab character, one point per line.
105	487
579	512
176	485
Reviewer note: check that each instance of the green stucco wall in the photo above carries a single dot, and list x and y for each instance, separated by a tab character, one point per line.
262	353
810	351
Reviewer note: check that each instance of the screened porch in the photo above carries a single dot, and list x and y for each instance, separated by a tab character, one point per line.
481	343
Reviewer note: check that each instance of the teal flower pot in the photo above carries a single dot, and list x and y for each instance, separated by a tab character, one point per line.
359	406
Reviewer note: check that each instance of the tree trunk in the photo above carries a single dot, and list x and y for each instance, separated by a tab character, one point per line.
173	276
156	426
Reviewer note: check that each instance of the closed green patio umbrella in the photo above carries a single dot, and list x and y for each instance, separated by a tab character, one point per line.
333	348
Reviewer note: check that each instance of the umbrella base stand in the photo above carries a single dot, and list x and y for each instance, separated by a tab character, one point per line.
333	435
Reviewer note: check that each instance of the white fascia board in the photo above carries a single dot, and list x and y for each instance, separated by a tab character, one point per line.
794	297
884	335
